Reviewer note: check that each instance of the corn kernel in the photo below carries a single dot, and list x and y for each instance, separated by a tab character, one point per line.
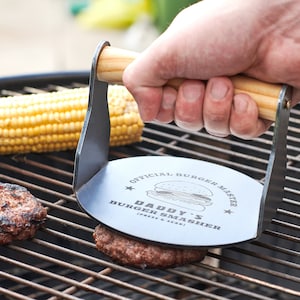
53	121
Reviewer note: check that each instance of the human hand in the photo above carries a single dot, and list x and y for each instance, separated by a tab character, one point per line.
205	44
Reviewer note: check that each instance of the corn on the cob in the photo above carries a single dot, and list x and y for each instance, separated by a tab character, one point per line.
52	121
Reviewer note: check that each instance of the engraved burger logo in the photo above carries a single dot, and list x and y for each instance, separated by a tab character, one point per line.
180	193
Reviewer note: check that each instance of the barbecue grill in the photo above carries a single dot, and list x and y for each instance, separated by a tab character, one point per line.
62	262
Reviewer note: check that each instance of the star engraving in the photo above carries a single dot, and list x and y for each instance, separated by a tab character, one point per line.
129	188
228	211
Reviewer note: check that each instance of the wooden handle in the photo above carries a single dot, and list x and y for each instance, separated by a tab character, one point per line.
113	61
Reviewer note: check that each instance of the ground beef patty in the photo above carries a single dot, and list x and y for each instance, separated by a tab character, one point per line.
20	213
130	252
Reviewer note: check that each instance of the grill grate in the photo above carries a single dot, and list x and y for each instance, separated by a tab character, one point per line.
61	262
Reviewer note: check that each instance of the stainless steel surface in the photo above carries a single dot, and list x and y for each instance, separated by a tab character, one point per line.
61	262
93	146
276	169
199	202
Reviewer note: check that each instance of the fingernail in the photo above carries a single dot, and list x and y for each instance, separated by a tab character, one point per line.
240	104
218	90
191	92
169	98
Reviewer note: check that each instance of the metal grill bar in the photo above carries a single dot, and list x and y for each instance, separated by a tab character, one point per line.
257	282
274	260
87	272
250	280
117	282
37	176
39	188
13	295
92	275
225	286
202	156
34	285
89	280
62	262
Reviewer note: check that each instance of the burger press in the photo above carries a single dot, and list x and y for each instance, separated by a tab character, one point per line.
173	200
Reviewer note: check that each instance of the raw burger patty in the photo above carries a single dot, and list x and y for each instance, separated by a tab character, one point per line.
20	213
130	252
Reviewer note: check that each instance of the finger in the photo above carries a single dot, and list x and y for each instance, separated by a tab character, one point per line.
217	106
148	96
149	102
166	111
245	122
188	107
